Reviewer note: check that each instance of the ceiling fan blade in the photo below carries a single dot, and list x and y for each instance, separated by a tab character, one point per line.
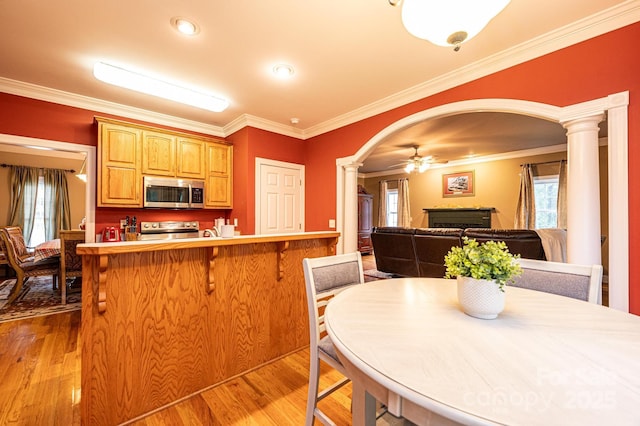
393	166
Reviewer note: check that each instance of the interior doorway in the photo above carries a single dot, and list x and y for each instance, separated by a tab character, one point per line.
279	197
89	153
615	106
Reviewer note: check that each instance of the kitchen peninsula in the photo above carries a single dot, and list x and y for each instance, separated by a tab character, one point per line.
163	320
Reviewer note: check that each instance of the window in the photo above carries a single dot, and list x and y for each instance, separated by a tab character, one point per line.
392	207
546	199
37	234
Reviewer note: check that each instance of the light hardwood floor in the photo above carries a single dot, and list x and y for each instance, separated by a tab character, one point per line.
40	384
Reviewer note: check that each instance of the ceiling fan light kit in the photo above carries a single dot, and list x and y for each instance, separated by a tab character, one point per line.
418	163
447	23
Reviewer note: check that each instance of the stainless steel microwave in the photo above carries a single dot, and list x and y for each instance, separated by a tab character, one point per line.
170	193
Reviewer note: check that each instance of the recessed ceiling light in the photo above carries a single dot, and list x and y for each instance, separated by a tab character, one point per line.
185	26
139	82
283	71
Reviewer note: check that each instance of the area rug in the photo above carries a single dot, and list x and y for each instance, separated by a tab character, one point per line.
36	298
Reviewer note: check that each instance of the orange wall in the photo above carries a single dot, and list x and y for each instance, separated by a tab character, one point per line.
592	69
248	144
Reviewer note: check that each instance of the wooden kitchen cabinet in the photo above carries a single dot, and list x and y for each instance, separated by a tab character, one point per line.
158	154
190	159
119	166
219	183
127	152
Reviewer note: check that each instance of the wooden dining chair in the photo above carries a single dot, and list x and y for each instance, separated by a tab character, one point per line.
70	261
582	282
22	262
4	259
324	278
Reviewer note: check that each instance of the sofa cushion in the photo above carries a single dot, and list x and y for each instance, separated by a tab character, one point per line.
394	252
432	245
525	242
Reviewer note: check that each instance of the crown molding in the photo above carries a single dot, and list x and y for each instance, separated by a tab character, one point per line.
551	149
247	120
47	94
600	23
485	159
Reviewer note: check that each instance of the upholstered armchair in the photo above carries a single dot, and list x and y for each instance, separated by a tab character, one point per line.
22	262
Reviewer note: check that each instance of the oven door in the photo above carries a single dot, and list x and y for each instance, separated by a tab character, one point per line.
167	193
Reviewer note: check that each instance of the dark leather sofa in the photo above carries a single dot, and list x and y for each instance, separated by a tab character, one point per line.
419	252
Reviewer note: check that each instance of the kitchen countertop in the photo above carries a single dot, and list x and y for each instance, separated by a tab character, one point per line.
158	245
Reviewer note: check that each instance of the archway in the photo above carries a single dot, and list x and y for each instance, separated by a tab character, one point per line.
615	106
90	155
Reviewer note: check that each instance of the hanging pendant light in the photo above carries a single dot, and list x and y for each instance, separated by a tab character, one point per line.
82	174
448	23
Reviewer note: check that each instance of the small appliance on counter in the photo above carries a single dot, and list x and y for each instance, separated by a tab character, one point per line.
110	234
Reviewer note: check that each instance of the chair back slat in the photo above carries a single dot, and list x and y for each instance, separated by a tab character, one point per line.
16	249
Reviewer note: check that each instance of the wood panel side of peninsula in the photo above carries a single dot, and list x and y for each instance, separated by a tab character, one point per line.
164	320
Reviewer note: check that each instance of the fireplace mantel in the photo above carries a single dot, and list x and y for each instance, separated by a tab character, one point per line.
462	217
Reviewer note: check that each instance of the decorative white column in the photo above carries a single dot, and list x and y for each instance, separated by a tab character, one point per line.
583	190
350	224
618	149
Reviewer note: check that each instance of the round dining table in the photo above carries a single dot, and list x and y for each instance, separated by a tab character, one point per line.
545	360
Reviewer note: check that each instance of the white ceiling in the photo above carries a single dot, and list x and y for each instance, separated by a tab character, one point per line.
349	56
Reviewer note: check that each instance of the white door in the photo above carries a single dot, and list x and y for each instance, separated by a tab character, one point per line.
279	197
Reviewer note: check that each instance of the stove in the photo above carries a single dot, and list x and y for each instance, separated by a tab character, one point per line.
169	230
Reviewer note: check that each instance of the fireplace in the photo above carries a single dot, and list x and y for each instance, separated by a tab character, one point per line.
460	217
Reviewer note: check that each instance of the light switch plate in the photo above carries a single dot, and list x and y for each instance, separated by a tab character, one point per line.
332	223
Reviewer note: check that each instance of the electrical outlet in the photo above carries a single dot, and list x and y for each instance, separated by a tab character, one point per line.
122	223
332	223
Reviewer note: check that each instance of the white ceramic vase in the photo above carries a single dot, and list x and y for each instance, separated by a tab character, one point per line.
480	298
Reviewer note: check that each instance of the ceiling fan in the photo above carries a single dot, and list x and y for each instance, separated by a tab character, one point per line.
418	164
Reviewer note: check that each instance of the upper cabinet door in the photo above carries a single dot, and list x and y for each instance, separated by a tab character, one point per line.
219	183
119	178
158	154
190	158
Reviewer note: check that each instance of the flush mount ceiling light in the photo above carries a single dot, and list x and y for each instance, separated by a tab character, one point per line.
448	23
184	26
283	71
134	80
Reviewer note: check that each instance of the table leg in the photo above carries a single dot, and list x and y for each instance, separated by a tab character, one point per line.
363	405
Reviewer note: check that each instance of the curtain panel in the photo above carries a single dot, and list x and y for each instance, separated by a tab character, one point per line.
56	203
526	208
24	189
24	196
404	210
382	204
562	195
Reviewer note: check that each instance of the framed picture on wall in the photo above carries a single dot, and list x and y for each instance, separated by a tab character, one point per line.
459	184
